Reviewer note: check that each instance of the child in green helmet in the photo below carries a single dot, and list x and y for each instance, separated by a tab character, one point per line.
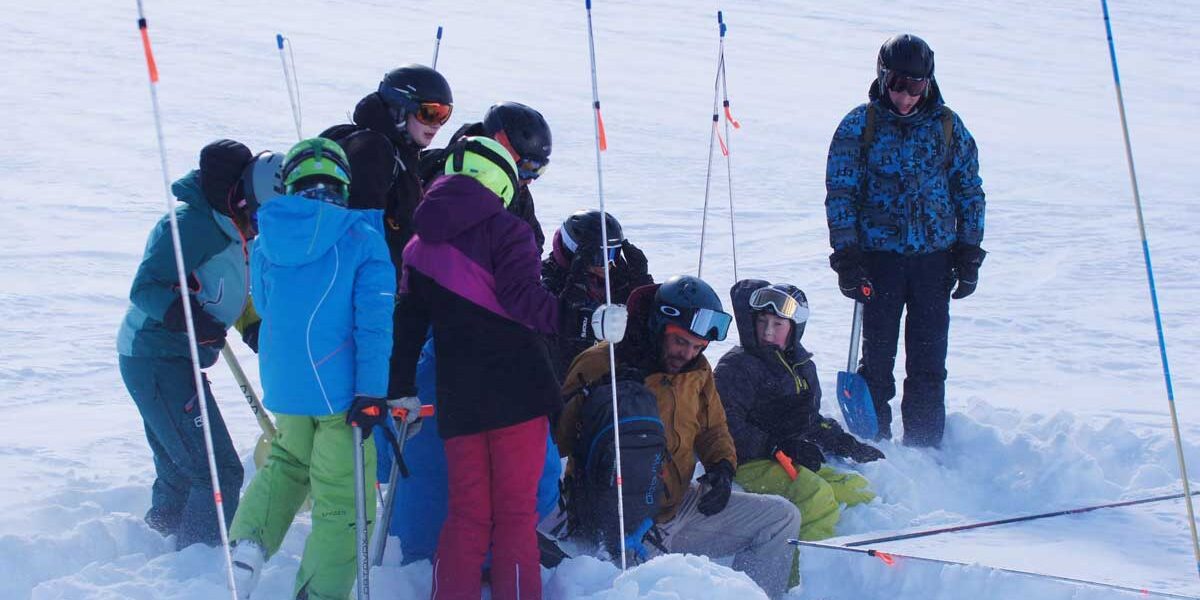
324	286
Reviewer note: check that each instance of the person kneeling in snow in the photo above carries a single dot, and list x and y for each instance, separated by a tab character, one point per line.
325	287
772	400
215	222
669	326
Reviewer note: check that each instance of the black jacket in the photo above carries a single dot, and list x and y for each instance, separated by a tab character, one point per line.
769	394
566	279
433	164
383	170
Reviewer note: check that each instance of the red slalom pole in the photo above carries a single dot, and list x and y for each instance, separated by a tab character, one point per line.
187	306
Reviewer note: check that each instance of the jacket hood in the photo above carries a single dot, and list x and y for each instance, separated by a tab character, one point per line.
924	110
372	113
187	189
452	205
296	230
739	295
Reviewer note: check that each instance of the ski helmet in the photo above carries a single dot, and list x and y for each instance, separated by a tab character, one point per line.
690	303
404	88
527	132
581	233
318	163
905	55
263	179
786	301
486	161
221	165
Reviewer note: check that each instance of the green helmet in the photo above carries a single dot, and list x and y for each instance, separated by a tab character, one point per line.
317	161
486	161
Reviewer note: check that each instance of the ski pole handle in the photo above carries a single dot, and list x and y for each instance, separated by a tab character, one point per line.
401	414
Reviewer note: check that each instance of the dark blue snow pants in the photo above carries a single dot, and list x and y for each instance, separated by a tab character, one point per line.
182	498
921	285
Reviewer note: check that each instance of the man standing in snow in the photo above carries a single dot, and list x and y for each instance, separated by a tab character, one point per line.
905	206
669	326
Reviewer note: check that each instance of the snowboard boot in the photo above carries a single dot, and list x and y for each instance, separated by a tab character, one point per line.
248	558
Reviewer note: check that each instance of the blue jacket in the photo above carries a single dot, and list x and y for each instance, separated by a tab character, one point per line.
214	256
324	286
907	197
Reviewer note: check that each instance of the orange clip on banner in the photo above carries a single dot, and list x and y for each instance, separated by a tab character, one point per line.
149	53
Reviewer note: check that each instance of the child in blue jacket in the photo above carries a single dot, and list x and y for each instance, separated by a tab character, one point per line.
324	286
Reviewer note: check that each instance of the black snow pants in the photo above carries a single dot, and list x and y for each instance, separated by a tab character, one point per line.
920	284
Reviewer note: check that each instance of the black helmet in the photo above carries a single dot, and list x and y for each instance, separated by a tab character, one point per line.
526	129
906	54
581	232
406	87
692	304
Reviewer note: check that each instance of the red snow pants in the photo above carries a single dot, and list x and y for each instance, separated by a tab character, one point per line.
493	503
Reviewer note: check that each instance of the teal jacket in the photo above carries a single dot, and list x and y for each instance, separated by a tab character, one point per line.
325	288
215	258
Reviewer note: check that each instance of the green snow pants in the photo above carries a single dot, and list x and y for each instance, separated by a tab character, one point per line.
817	495
310	455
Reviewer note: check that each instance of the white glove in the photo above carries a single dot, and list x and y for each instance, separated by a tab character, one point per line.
608	322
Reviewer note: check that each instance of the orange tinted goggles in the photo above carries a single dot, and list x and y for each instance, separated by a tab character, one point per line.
434	113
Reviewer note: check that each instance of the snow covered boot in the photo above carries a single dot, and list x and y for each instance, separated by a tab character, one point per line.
248	559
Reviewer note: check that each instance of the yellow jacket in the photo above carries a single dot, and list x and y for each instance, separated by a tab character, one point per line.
688	405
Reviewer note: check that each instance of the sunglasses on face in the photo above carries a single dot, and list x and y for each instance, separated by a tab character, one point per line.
782	304
531	168
913	86
433	114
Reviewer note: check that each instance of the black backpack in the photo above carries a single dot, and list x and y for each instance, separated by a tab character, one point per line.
591	489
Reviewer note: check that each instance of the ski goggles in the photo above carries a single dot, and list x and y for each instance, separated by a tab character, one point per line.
531	168
433	113
779	302
705	323
899	82
326	192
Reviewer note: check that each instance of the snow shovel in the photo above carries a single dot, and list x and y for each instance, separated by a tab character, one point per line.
262	448
360	519
852	392
379	542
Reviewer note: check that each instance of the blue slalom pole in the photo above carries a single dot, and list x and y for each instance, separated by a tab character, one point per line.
290	78
437	46
1162	344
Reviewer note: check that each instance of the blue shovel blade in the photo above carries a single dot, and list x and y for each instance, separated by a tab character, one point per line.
859	411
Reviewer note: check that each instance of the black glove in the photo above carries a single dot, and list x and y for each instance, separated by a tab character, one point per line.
802	452
635	261
250	335
720	484
967	260
852	277
209	331
575	318
366	412
844	444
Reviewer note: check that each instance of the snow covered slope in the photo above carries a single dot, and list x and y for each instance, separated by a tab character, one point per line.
1055	386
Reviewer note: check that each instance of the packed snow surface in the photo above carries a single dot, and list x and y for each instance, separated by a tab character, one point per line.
1055	394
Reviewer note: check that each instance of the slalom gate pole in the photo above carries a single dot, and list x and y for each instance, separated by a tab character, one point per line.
437	46
601	146
152	68
725	146
1162	343
1021	519
892	559
712	140
293	84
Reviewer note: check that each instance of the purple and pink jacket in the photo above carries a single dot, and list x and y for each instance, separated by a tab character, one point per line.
472	271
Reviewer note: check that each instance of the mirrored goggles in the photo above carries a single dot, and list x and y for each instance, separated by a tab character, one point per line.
531	168
899	82
708	324
779	302
433	113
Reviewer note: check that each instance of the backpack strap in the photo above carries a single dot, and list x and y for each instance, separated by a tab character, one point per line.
948	135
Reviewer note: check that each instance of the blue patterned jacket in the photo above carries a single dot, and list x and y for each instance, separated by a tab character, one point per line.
914	193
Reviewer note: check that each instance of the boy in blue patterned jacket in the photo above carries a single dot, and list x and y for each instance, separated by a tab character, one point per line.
324	286
905	207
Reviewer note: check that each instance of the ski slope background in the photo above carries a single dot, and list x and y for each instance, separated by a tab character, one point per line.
1055	392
